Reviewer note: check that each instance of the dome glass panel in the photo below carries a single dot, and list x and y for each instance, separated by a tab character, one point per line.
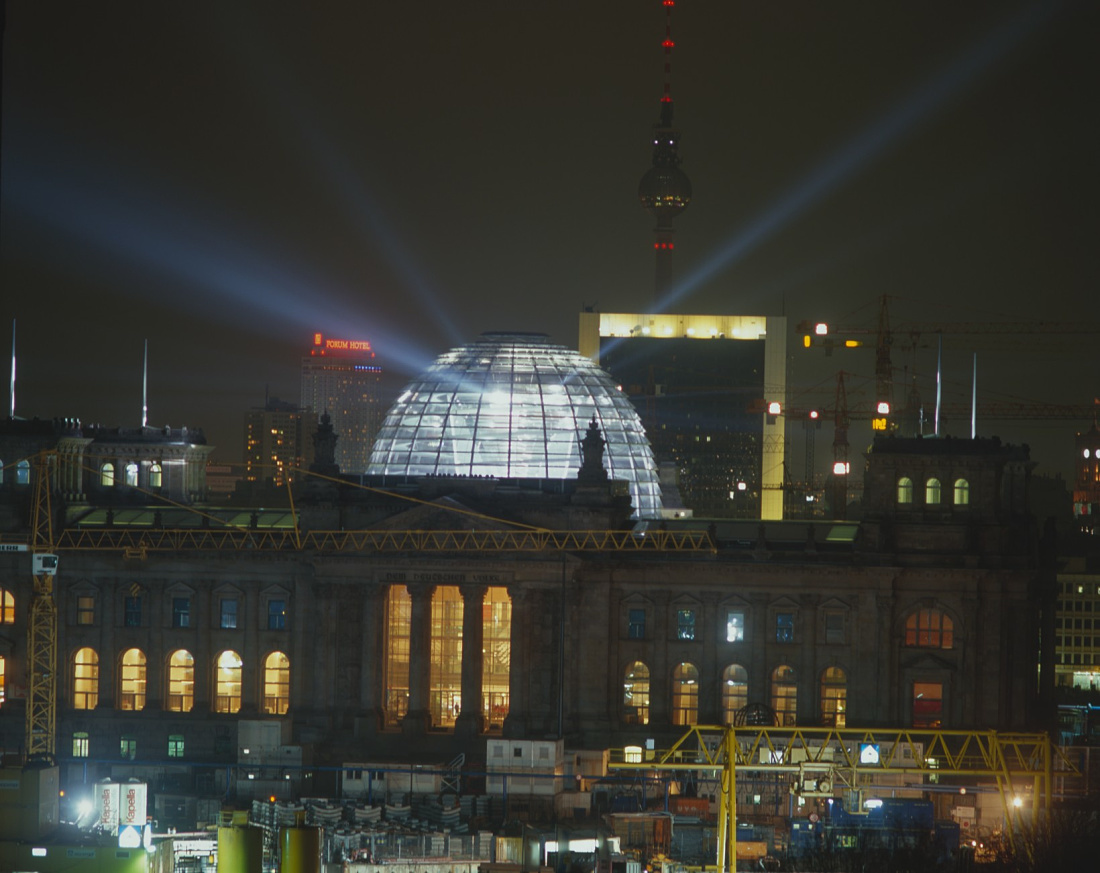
515	406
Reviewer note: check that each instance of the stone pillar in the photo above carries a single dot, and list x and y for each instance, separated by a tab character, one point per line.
419	718
470	721
515	723
371	680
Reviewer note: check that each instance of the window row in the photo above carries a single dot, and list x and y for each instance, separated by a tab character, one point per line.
82	746
832	696
925	628
180	697
155	478
184	615
21	473
933	491
734	698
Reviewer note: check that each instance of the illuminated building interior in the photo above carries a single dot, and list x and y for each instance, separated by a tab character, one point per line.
515	406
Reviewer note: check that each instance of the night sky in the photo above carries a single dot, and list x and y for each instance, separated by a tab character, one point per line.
223	179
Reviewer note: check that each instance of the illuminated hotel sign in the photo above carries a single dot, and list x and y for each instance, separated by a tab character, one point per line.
323	345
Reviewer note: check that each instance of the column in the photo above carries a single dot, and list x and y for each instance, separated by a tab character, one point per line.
368	720
515	723
470	721
418	719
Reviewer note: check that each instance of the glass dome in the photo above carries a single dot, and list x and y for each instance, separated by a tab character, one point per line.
515	406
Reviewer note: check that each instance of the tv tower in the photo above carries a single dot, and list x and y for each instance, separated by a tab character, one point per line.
665	189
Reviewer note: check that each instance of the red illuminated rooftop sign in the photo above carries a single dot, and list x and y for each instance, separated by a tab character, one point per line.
323	346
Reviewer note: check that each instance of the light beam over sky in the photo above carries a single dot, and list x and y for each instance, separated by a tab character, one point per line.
870	144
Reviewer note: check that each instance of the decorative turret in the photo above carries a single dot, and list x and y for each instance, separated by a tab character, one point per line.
665	189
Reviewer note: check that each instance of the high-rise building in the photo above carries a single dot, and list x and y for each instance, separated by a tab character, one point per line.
340	377
702	385
275	442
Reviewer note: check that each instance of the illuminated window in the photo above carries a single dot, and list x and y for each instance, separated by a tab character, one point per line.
636	694
276	684
229	613
932	491
635	628
175	745
127	748
784	695
227	693
445	677
85	679
905	490
398	626
181	612
930	629
962	492
80	744
85	609
735	626
7	607
23	472
834	697
132	474
685	694
685	624
131	615
181	681
784	627
735	691
276	615
156	476
107	475
927	704
496	658
3	679
131	685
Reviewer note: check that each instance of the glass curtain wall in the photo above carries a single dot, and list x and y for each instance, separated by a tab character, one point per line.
496	658
445	678
398	626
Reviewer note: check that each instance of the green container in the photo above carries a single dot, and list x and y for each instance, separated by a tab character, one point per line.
300	850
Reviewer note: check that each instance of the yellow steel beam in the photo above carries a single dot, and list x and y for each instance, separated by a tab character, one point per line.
722	749
142	541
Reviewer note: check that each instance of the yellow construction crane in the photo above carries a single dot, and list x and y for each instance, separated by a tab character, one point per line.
42	623
820	760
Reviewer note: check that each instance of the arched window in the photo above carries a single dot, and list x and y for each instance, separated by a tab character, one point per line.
784	695
932	492
685	694
398	628
7	607
905	490
23	472
131	682
930	629
276	684
85	679
735	691
107	475
445	674
156	476
636	694
181	681
496	659
962	492
132	474
227	694
834	697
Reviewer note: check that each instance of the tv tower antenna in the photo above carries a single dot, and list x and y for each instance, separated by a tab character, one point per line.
665	190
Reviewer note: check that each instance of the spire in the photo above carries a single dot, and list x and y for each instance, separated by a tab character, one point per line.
665	190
